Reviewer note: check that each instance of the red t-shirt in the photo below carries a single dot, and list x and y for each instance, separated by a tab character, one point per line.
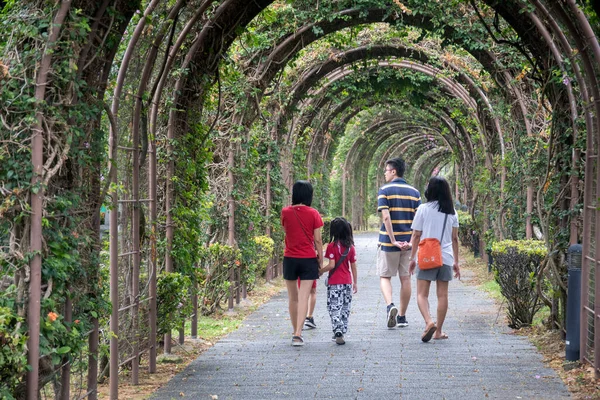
342	274
299	243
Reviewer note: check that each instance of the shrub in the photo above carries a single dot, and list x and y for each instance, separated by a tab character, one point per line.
173	300
264	253
13	352
466	227
325	231
516	265
213	275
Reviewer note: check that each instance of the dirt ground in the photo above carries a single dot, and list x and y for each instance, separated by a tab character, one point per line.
578	378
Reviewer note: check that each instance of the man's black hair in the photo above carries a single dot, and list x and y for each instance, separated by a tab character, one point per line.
438	190
302	193
398	164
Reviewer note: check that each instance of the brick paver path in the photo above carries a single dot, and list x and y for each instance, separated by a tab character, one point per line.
480	360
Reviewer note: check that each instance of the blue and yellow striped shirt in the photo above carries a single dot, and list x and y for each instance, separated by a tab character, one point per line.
402	201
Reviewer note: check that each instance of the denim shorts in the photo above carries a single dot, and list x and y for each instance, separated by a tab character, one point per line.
443	273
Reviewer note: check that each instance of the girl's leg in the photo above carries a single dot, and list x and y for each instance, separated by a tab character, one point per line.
346	303
312	301
302	306
423	299
335	302
442	308
292	290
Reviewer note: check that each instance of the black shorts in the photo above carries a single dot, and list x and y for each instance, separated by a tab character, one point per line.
303	268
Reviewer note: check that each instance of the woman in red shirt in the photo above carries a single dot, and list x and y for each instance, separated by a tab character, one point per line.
303	253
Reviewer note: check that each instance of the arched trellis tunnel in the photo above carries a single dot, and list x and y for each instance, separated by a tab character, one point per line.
187	121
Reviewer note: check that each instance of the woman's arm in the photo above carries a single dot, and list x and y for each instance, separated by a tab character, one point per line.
319	245
414	241
455	267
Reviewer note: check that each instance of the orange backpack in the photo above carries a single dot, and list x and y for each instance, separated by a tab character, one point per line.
430	251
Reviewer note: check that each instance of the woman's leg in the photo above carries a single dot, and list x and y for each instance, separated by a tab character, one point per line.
302	306
442	308
423	299
292	290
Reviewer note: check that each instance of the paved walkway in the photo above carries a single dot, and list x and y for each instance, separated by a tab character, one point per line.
480	360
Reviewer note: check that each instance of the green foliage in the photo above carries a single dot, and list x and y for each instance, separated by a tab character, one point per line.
213	275
466	228
13	352
265	247
174	292
516	265
325	231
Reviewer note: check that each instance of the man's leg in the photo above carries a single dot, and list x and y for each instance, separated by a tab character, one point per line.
385	283
405	293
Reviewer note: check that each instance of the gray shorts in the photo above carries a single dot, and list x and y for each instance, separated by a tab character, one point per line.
444	274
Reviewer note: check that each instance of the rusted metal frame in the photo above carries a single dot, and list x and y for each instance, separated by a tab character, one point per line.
591	43
591	153
65	377
135	304
137	355
231	219
584	92
169	195
145	77
114	320
156	98
529	185
36	202
573	107
434	158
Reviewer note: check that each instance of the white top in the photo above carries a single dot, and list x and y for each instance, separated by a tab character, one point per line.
429	221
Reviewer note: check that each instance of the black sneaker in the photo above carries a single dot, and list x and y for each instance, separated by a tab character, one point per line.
401	321
391	316
309	323
339	338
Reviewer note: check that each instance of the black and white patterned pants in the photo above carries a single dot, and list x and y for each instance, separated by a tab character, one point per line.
339	298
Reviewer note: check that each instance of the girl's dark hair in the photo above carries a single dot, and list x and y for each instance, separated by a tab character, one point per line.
302	192
438	190
340	230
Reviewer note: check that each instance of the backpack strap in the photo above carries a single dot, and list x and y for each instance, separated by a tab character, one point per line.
340	261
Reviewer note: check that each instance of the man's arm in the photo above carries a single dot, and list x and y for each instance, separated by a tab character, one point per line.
387	222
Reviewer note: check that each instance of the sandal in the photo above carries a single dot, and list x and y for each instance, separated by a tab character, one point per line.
297	341
441	337
429	331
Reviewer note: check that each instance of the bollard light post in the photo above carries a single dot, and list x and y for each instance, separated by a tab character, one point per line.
573	302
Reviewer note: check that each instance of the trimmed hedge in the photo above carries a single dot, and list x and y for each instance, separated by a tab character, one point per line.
516	265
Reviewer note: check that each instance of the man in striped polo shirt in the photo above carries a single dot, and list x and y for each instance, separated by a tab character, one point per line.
397	202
